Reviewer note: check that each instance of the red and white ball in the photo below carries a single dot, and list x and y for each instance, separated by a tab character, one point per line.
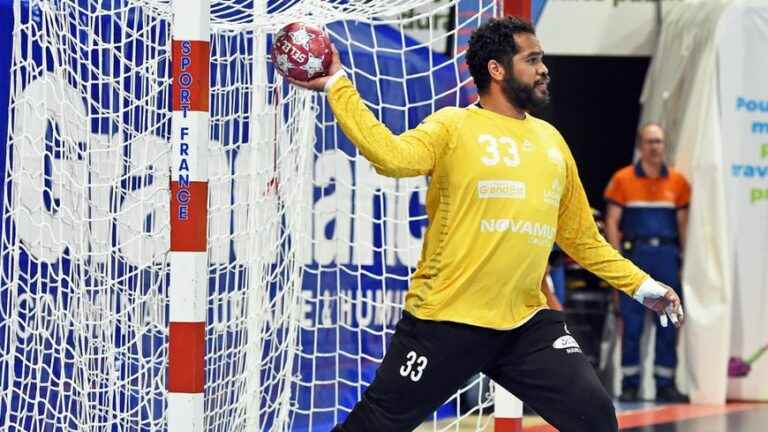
302	51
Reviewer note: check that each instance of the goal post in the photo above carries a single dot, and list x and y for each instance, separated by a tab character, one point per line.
190	243
187	256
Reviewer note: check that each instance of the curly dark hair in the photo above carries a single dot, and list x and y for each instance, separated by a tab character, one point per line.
493	40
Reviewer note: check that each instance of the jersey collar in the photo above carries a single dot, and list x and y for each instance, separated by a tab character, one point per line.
640	172
492	114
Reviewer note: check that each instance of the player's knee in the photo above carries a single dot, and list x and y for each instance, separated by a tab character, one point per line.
600	414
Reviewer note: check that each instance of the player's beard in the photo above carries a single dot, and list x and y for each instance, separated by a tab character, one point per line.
523	95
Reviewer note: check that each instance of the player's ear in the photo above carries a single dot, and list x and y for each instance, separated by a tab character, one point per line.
495	70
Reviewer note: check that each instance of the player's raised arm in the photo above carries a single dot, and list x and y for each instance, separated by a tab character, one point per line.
409	154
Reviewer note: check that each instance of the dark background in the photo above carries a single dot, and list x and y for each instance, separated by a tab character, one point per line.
596	106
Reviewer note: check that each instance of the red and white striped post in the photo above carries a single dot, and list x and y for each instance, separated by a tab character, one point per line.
189	214
518	8
507	411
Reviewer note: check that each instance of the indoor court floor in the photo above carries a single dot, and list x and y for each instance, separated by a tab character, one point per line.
649	417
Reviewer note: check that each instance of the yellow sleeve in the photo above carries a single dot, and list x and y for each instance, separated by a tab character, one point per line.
409	154
578	236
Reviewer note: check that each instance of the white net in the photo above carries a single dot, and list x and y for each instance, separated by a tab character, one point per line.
309	250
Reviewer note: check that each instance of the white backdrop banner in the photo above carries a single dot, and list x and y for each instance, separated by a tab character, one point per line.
600	27
743	67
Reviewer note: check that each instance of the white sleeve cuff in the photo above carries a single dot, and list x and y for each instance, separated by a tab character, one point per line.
649	289
340	73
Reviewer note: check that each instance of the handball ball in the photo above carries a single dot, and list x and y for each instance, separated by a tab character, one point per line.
302	52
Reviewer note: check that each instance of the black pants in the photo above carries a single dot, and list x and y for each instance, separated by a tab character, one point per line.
428	361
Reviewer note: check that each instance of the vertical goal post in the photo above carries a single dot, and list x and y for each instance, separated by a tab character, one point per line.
188	260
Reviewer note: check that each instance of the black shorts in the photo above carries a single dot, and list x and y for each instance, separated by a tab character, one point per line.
428	361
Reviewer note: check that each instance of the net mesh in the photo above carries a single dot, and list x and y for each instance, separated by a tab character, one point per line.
309	249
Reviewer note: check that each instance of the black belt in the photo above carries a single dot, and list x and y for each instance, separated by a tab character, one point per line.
648	241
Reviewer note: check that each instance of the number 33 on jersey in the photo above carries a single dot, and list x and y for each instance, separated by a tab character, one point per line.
414	366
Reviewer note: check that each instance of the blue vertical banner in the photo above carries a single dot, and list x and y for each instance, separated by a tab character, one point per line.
537	8
6	44
467	20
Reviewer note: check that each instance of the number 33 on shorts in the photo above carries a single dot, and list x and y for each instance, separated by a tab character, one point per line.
414	366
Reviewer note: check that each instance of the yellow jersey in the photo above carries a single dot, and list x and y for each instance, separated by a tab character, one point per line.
502	191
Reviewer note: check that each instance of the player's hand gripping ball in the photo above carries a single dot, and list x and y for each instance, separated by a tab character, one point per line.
302	52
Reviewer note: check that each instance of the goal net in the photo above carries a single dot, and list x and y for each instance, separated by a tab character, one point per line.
309	251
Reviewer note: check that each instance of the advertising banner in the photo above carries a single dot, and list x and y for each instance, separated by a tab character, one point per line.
743	67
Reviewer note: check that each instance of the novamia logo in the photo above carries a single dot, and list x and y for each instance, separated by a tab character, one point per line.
521	226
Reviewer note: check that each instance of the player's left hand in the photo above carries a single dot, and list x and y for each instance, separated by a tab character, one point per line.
667	306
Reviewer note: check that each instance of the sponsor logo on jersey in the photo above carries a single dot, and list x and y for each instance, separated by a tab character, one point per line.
534	229
556	156
501	189
567	343
553	194
527	146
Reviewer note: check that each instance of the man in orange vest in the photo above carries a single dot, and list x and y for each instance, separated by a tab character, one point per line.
646	220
